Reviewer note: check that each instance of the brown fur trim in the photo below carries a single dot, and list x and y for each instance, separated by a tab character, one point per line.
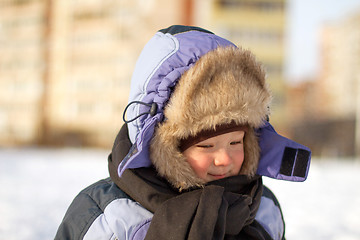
225	85
251	154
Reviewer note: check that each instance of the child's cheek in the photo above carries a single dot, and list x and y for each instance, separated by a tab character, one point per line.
200	165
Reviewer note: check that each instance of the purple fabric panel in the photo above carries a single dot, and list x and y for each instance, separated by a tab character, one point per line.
153	55
272	150
140	232
141	158
159	91
192	45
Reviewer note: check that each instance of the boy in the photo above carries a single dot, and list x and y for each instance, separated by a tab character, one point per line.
188	163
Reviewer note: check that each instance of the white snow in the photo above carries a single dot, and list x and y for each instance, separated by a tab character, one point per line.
37	186
326	205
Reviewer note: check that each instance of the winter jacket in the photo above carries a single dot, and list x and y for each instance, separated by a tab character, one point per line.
104	211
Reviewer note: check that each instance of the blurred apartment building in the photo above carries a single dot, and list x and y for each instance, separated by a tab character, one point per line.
65	66
328	109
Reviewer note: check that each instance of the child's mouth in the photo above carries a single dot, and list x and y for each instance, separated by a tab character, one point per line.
217	176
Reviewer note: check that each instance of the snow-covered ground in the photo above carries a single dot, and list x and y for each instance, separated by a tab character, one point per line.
37	186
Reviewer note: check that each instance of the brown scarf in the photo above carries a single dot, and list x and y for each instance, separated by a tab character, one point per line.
223	209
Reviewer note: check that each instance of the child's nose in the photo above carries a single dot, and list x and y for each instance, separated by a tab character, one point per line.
222	158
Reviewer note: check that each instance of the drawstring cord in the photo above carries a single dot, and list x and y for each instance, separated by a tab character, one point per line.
153	109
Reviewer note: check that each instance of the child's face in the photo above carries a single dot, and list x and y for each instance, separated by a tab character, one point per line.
217	157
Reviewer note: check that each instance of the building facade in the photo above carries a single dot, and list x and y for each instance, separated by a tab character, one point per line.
326	111
340	57
65	66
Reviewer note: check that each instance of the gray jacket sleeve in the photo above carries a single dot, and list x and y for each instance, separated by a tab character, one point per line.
88	205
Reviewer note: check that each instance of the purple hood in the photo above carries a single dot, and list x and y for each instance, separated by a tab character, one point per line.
163	60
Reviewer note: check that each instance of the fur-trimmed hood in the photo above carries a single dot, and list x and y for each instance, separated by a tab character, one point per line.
186	80
225	85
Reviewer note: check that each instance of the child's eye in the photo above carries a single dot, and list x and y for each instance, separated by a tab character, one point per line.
236	142
204	146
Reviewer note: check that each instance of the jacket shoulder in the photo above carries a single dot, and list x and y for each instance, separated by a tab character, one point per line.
88	205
